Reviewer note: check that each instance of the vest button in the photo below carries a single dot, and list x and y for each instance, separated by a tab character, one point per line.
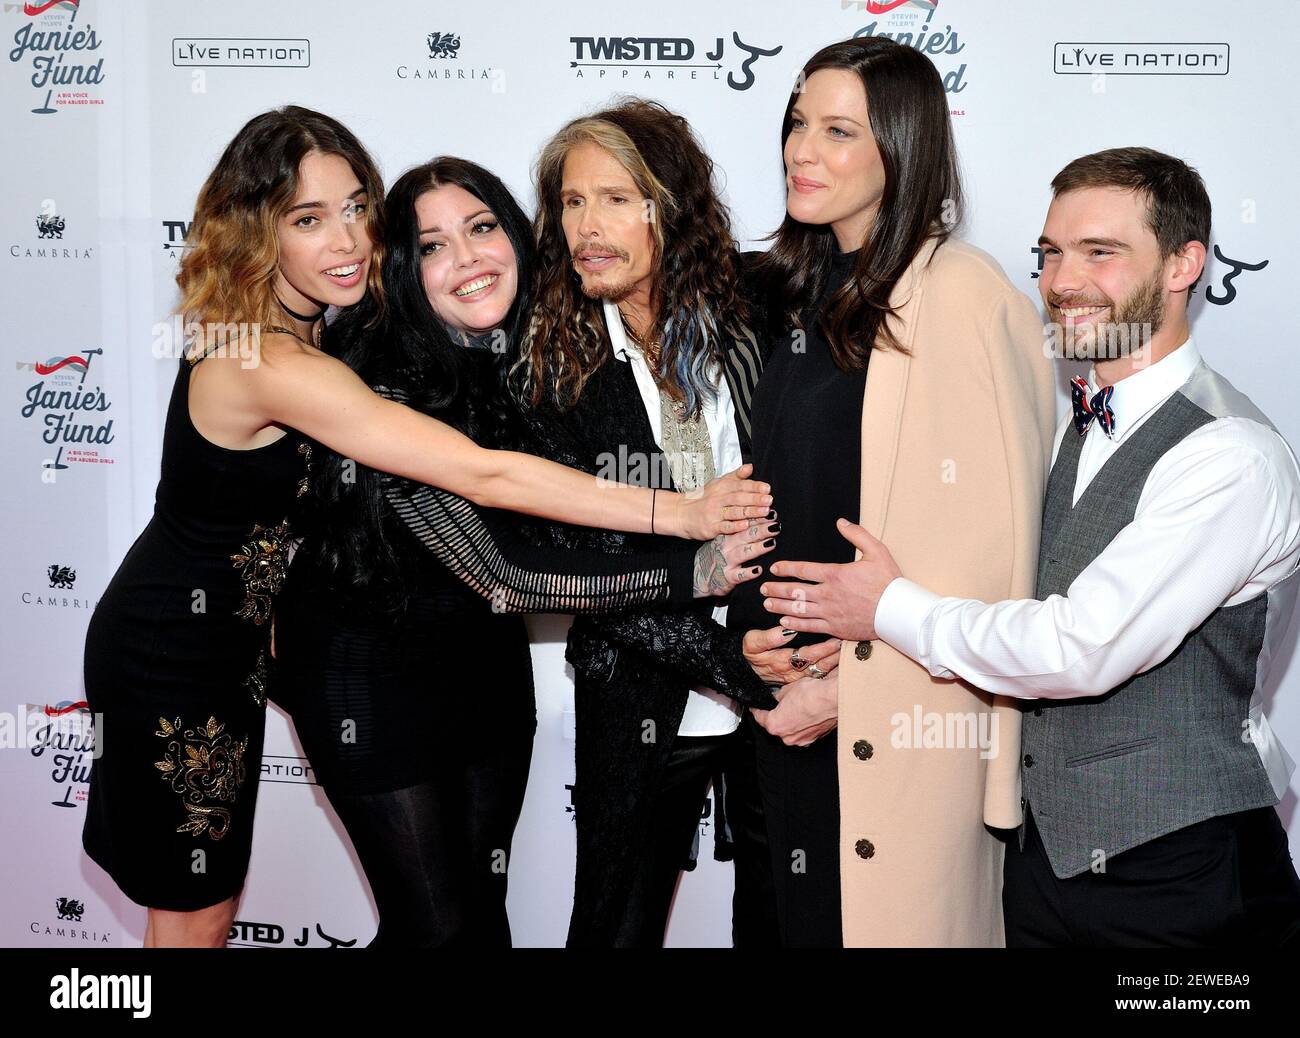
863	749
865	849
1029	760
863	651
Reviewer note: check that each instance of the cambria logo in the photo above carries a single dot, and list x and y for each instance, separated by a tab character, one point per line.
443	44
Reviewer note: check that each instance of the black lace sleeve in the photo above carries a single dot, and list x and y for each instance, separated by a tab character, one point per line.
486	551
696	646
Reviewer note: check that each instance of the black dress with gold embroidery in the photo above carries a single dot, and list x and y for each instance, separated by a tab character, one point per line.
176	667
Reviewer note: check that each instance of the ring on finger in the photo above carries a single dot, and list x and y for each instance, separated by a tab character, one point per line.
797	661
815	671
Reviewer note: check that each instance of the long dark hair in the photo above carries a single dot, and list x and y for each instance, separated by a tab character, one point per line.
228	270
695	291
922	200
412	351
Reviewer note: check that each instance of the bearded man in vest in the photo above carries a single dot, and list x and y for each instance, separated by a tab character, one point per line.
1147	771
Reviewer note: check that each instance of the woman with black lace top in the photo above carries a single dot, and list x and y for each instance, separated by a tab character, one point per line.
401	655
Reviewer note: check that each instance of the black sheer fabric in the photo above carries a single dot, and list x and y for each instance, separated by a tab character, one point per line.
518	575
436	853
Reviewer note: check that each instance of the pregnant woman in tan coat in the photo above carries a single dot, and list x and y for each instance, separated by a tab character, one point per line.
906	387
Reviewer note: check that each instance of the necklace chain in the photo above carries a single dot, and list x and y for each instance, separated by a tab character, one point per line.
651	350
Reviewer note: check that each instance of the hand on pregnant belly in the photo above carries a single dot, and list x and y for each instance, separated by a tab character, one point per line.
806	710
766	653
838	599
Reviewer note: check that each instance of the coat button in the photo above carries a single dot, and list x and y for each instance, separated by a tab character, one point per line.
1038	711
863	651
863	749
1029	760
865	849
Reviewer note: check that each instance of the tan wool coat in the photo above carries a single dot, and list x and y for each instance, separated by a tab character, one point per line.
956	442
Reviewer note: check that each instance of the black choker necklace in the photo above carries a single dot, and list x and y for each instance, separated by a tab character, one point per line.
294	314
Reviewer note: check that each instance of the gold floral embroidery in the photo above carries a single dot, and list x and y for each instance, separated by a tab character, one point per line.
262	564
256	683
304	484
202	764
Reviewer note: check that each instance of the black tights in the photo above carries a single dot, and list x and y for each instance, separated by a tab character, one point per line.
436	853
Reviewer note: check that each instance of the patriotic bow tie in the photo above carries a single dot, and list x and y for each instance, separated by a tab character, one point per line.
1086	410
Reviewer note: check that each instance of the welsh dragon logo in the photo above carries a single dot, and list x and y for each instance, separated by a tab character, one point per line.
49	226
443	44
62	576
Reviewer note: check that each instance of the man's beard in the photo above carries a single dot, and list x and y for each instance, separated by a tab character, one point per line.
1130	327
605	291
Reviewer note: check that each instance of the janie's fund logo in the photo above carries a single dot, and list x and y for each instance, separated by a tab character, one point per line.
912	23
69	411
59	53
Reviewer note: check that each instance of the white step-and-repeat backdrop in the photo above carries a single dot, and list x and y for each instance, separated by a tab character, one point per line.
113	114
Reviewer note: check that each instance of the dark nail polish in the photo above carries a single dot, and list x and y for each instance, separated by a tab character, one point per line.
771	514
769	542
786	632
774	528
756	570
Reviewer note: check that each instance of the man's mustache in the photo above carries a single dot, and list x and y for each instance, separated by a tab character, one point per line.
596	250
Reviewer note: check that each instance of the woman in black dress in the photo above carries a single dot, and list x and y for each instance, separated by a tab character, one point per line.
412	693
825	285
177	655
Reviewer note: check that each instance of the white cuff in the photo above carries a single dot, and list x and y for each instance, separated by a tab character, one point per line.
901	614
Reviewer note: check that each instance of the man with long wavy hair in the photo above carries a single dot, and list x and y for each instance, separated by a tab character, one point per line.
639	347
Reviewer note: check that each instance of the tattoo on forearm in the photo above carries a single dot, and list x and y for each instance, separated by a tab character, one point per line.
710	569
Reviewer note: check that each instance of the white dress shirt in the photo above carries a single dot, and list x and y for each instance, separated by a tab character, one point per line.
708	712
1217	523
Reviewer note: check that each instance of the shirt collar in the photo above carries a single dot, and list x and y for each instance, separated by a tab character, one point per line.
617	333
1145	390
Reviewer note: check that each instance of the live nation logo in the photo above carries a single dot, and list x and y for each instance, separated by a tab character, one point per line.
633	59
240	52
46	241
68	410
59	52
1140	59
287	768
913	24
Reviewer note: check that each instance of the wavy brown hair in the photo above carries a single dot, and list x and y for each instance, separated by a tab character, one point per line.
228	271
922	200
694	297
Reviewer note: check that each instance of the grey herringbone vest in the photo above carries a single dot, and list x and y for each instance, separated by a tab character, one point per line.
1170	746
